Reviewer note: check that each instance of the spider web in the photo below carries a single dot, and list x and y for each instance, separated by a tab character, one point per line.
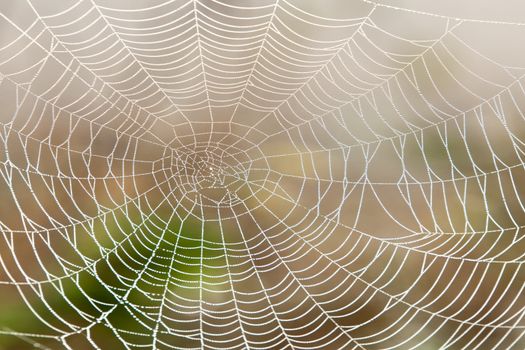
260	174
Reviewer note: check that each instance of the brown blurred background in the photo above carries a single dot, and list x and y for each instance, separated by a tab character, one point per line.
260	174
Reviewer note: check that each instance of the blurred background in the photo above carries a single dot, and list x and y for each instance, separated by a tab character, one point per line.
262	174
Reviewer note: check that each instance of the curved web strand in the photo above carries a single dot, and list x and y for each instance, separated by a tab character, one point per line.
261	174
